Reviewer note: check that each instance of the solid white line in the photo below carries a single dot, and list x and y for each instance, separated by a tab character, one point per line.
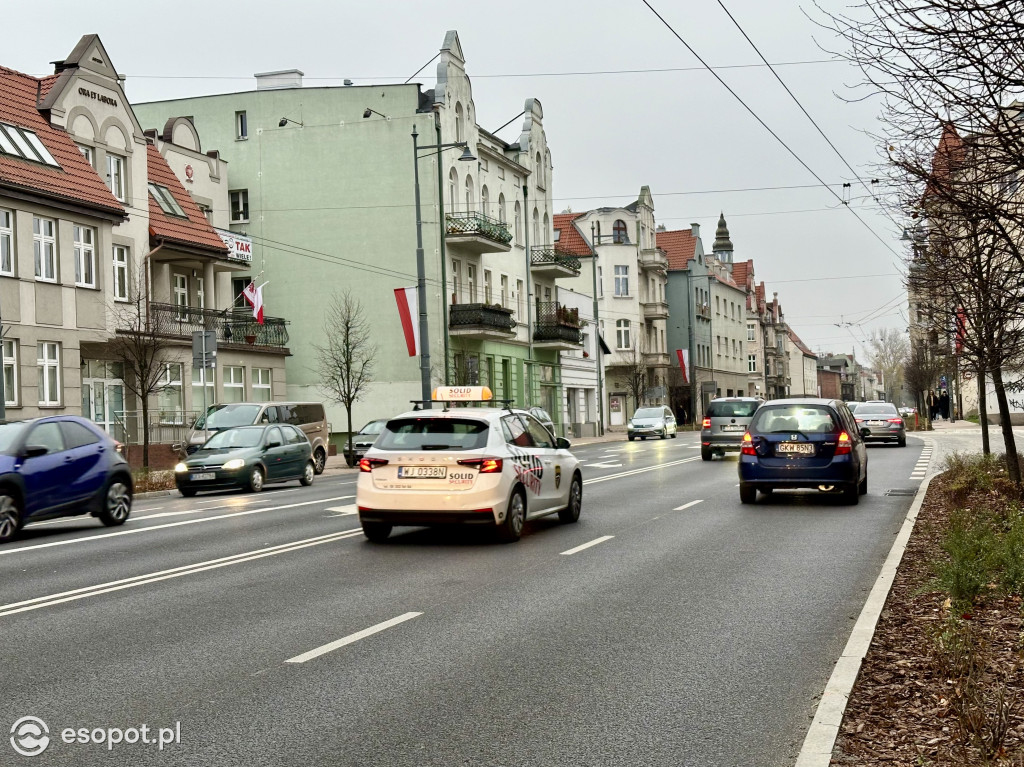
687	505
594	542
187	511
163	575
352	638
133	531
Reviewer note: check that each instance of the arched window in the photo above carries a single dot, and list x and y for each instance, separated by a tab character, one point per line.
453	190
519	223
458	122
501	208
470	198
536	227
485	201
547	226
619	235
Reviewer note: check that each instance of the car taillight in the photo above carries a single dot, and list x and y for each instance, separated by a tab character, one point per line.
896	420
859	420
747	445
844	447
369	464
706	423
484	465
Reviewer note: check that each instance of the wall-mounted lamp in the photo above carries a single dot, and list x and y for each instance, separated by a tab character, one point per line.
285	120
367	112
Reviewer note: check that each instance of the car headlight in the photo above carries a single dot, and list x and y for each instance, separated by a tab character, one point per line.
630	425
234	463
180	468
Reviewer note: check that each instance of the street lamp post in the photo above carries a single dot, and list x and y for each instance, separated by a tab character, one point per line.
421	278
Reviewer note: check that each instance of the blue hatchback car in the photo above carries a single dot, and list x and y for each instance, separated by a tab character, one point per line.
59	467
803	443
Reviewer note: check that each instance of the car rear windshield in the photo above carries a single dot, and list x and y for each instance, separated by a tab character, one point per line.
808	419
433	434
889	410
649	412
739	409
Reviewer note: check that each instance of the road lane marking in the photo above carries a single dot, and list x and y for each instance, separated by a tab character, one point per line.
594	542
193	511
343	511
688	505
175	572
605	465
133	531
316	653
631	472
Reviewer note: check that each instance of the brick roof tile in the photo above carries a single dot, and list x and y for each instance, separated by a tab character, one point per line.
680	246
194	231
570	240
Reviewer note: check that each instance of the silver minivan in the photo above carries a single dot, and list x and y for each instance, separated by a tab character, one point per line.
308	416
725	422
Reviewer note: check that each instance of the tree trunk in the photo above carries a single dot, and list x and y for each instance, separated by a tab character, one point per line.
350	447
145	432
986	446
1012	462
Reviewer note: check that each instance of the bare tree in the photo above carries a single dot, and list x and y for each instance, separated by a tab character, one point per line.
633	373
890	352
143	344
347	358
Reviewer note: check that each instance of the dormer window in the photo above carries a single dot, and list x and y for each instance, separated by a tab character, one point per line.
166	200
23	143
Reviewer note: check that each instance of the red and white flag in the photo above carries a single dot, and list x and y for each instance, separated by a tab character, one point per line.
408	312
254	295
683	355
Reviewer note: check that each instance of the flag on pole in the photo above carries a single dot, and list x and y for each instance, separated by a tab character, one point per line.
408	313
684	363
254	295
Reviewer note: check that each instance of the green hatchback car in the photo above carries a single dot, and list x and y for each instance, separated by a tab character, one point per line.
247	457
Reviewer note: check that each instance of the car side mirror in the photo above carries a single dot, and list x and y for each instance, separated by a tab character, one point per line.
273	443
865	432
33	451
561	443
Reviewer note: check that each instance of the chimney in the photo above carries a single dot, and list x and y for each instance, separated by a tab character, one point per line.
695	230
285	78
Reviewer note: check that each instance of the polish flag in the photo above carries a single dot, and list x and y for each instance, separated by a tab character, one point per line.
684	363
408	312
254	295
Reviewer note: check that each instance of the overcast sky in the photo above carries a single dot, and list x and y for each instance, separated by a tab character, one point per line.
613	123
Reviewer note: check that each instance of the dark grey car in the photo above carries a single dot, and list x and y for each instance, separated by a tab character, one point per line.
883	422
725	422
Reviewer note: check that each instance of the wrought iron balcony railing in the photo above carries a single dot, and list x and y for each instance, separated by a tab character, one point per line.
557	322
545	255
478	224
481	316
231	327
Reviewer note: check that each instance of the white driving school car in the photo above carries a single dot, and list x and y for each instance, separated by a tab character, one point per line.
466	465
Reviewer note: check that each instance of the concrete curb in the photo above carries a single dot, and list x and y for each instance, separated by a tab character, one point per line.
821	737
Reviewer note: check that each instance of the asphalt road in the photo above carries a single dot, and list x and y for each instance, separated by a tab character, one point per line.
266	631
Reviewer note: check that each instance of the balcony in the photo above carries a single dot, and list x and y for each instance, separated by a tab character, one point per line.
654	310
475	233
231	327
653	259
481	321
548	262
557	327
656	359
704	311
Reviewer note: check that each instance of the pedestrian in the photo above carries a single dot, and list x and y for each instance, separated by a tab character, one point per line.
944	405
932	405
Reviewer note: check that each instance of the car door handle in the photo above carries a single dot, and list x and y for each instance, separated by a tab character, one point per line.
68	458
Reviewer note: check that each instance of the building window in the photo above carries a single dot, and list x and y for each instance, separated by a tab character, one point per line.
470	195
501	208
261	386
89	154
519	297
600	281
485	200
21	142
44	244
453	187
120	273
488	288
622	280
751	332
203	380
181	295
49	373
85	256
519	224
10	372
115	175
169	401
619	236
241	126
239	205
622	334
234	384
200	293
237	286
166	200
458	122
456	281
504	290
471	283
6	243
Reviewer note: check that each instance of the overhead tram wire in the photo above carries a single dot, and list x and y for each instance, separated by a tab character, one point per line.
765	125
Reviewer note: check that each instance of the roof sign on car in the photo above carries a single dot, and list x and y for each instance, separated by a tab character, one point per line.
462	394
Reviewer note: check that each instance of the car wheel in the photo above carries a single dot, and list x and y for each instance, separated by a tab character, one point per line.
862	488
748	493
515	517
187	492
673	435
256	478
117	503
320	460
902	442
851	494
376	532
351	459
631	438
705	454
664	435
572	512
644	438
10	516
307	474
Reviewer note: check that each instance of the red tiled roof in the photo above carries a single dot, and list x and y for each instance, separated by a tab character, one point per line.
728	281
45	84
800	344
679	245
569	239
949	154
194	231
741	271
75	180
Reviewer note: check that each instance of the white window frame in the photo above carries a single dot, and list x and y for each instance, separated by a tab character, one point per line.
6	242
120	282
48	360
115	175
242	195
263	380
622	333
488	287
181	295
85	256
45	249
241	126
170	383
751	332
622	281
234	381
200	292
10	361
88	153
204	377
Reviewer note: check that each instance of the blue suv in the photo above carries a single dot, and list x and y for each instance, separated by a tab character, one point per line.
803	443
60	467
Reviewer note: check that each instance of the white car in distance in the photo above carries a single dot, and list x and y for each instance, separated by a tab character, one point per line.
494	466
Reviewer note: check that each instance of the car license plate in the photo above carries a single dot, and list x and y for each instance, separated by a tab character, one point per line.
733	427
202	476
876	423
422	472
799	448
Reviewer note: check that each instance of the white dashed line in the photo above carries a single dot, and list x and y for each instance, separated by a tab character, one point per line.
594	542
352	638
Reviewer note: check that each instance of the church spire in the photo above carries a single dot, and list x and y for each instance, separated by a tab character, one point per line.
723	245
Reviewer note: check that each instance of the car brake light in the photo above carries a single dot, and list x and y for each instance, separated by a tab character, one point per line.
369	464
747	445
844	447
484	465
896	420
706	423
